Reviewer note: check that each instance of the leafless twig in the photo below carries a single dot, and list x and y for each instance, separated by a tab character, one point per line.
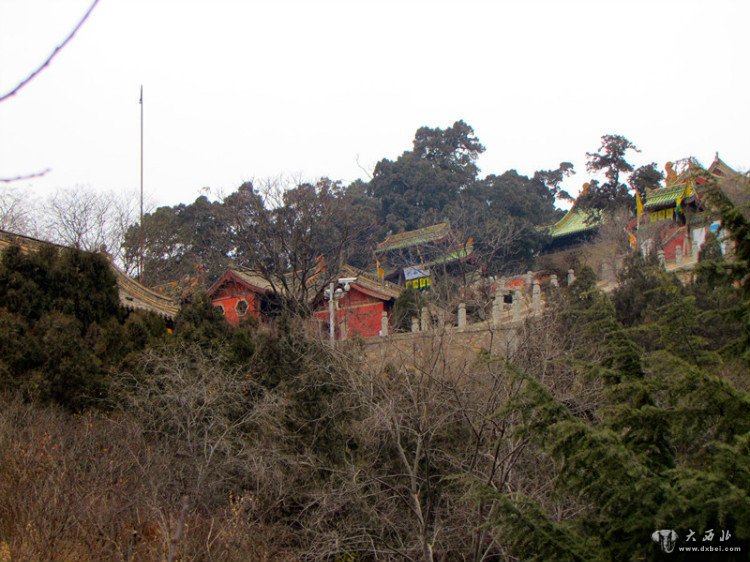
46	63
27	176
174	543
361	167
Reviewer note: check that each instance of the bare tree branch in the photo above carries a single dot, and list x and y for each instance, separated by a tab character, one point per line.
175	542
361	167
16	212
46	63
27	176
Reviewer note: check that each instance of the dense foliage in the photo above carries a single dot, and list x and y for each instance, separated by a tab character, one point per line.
273	225
610	416
63	332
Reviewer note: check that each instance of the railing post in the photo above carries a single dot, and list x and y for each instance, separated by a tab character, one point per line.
517	305
496	309
536	297
461	317
425	319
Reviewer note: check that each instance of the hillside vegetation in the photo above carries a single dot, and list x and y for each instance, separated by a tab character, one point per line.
618	415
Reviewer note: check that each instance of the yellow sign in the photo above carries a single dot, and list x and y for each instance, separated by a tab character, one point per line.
420	284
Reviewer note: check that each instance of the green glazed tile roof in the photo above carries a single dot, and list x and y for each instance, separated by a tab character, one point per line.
449	257
663	197
459	254
577	220
413	237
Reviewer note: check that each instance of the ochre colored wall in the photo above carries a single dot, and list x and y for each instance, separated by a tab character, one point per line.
228	297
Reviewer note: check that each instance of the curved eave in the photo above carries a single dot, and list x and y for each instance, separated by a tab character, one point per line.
664	197
370	285
375	293
134	296
429	234
236	277
574	222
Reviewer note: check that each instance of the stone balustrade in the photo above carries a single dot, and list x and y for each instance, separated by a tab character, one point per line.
527	300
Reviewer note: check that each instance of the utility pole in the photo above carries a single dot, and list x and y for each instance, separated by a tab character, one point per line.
331	315
141	242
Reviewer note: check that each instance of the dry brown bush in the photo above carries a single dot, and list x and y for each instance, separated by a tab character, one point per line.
89	487
338	459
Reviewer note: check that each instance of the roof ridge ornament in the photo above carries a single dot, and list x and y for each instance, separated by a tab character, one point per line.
671	174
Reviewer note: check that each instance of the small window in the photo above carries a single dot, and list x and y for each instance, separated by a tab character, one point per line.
241	307
220	307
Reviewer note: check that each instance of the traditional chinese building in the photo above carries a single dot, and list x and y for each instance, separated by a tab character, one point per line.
577	227
133	295
732	184
241	293
573	239
410	258
674	219
360	310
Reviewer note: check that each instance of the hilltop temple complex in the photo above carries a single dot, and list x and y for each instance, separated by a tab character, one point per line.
671	221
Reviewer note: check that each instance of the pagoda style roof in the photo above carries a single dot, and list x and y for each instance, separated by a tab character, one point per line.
449	257
720	168
370	285
667	196
663	196
133	295
410	238
576	221
251	279
257	283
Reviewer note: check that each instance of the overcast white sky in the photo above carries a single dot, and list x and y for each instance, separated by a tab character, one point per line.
236	90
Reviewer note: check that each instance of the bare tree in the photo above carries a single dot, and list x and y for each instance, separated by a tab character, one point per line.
91	220
16	212
295	235
189	398
426	426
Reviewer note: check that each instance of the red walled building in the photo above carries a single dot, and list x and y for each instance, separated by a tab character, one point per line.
239	294
359	311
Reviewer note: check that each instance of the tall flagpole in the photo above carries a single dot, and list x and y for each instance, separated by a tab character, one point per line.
141	241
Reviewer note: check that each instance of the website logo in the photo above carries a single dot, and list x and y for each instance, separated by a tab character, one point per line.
665	538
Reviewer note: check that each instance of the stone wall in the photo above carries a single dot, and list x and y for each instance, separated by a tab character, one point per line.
459	339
